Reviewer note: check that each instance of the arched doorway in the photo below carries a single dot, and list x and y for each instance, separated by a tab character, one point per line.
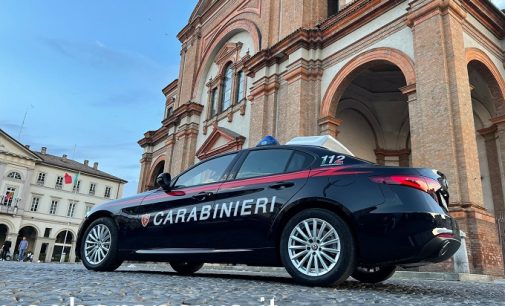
373	113
158	169
31	235
62	246
488	105
4	231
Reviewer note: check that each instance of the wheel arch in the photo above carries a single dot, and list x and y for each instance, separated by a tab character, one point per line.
86	223
288	212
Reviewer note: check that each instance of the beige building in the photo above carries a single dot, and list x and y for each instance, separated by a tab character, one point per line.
39	199
400	82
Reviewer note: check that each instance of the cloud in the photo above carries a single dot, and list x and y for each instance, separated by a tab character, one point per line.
128	97
99	56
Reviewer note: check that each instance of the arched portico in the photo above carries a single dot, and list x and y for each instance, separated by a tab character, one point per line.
367	105
341	81
488	105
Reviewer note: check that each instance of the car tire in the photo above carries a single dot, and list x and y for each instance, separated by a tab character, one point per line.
186	268
373	275
99	250
321	257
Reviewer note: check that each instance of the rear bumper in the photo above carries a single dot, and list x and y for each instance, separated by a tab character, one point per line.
407	238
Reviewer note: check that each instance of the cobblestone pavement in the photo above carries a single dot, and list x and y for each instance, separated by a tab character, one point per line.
60	284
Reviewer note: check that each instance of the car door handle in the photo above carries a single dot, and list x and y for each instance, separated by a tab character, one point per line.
281	185
202	195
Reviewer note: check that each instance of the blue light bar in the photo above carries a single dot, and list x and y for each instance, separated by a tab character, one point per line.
268	141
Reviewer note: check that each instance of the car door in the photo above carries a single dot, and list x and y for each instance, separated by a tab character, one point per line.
262	182
176	218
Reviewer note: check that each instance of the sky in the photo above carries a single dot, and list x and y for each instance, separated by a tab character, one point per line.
88	75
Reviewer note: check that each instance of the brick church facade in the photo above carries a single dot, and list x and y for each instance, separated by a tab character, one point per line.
409	83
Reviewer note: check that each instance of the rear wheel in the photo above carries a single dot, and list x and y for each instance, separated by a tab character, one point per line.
317	248
99	246
186	268
373	275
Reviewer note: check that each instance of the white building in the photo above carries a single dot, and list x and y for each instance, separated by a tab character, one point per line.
39	199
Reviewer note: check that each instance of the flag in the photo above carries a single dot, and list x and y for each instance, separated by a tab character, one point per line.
76	179
68	178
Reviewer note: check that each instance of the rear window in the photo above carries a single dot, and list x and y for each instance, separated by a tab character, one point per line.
269	162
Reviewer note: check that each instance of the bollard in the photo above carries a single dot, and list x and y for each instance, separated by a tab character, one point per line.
461	264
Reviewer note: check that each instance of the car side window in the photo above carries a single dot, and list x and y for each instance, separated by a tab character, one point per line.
207	172
299	161
268	162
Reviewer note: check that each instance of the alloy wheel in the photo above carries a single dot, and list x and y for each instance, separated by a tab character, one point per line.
97	244
314	247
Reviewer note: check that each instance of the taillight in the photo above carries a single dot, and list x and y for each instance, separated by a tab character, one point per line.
423	183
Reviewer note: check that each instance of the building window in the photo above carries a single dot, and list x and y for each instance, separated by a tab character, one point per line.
92	188
107	192
8	196
170	112
54	206
71	208
76	187
47	232
59	182
240	86
227	88
88	208
14	175
35	204
41	179
213	102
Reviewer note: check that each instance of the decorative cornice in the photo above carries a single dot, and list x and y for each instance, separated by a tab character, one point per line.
304	70
170	87
330	120
153	137
264	87
346	21
420	12
409	89
498	120
486	13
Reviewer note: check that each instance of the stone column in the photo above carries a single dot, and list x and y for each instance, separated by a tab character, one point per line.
493	164
442	121
36	248
263	108
380	157
500	146
72	253
329	126
145	165
50	250
298	108
169	153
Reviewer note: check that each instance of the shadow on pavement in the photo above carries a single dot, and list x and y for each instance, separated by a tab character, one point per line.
350	284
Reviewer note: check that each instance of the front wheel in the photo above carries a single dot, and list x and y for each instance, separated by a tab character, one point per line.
99	246
317	248
373	275
186	268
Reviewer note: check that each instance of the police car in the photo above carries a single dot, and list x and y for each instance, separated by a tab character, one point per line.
310	206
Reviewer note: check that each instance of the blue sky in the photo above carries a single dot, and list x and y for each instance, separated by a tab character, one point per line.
90	74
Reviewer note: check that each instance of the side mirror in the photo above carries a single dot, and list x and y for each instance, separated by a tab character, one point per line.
164	181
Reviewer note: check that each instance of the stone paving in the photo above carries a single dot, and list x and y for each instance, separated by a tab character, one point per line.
72	284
